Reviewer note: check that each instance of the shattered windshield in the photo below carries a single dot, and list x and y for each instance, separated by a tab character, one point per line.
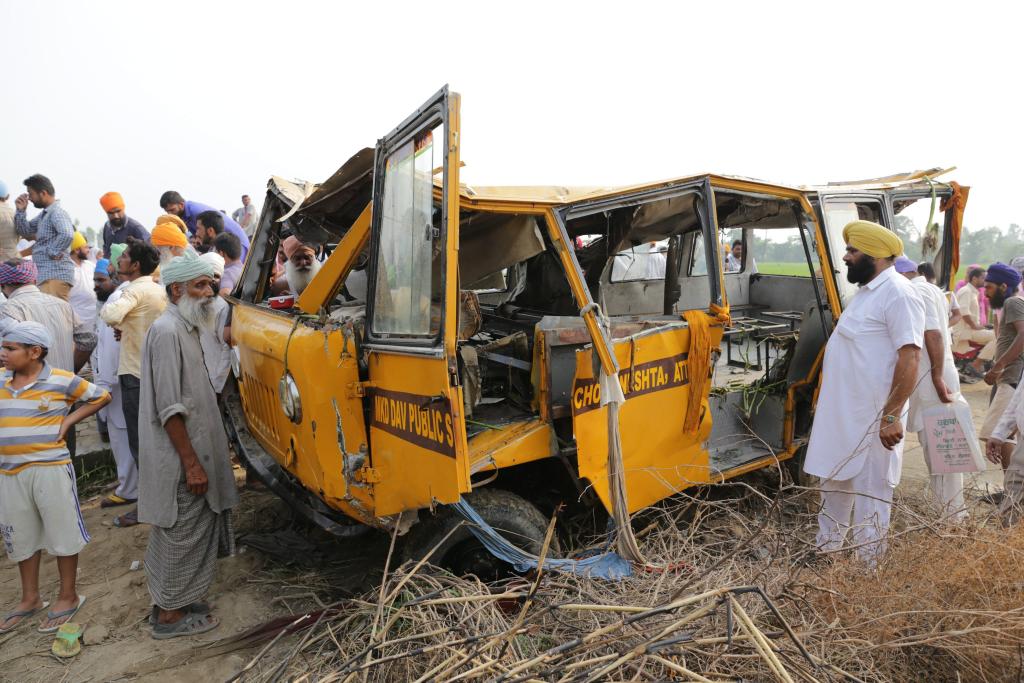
409	244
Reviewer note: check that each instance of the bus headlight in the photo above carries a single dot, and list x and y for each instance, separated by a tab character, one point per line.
288	394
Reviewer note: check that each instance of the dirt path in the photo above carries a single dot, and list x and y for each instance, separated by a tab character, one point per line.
249	590
117	606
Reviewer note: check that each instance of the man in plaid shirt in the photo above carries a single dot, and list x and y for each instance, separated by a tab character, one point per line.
52	230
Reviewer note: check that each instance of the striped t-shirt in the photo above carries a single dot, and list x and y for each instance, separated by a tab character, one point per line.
30	417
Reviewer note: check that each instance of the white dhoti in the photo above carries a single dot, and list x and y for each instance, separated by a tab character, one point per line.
117	428
1013	484
858	508
964	336
948	490
127	470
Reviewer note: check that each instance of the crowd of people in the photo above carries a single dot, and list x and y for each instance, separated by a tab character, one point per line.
139	332
136	331
889	366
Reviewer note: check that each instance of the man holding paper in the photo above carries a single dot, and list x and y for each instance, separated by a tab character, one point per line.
937	385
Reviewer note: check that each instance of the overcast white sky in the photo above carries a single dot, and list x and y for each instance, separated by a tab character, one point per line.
211	98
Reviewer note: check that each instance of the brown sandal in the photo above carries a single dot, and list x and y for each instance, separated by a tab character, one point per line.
127	519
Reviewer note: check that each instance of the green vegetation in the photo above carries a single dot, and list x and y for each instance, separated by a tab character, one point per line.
782	268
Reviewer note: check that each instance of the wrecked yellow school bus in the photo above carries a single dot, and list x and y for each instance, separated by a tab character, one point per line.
509	345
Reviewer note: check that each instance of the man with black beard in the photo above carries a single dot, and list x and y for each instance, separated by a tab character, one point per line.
869	372
105	362
119	227
1001	284
186	484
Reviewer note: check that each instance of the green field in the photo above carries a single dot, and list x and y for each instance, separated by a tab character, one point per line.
800	269
782	268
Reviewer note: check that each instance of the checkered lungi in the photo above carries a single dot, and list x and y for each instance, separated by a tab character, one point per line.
180	560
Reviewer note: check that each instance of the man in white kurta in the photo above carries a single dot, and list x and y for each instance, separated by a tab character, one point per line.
937	382
969	329
108	356
869	368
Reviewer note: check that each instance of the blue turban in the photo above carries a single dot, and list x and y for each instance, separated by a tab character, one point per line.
103	266
905	265
29	333
3	190
1002	274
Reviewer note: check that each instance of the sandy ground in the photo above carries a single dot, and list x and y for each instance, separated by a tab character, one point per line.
250	589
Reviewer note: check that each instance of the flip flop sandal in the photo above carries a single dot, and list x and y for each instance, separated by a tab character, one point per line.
127	519
68	641
69	613
21	616
194	608
192	624
113	500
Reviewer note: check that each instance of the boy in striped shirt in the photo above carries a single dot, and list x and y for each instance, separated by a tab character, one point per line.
38	497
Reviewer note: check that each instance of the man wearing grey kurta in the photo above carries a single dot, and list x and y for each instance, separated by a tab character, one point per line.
186	485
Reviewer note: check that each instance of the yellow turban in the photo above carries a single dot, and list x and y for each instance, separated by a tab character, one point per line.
171	219
167	235
873	239
78	241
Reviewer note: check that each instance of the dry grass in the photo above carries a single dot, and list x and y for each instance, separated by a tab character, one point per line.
945	605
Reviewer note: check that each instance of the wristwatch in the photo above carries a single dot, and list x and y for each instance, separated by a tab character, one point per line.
889	419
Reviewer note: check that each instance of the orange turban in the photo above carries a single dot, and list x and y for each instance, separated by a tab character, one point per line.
167	235
292	245
111	201
171	219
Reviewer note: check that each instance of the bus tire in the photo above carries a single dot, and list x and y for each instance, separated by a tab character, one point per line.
515	518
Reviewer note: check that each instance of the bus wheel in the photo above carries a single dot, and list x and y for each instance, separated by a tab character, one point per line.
516	519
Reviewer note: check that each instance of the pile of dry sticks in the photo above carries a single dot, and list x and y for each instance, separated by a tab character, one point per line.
747	598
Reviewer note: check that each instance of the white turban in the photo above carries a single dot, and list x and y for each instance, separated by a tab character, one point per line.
6	324
215	260
29	333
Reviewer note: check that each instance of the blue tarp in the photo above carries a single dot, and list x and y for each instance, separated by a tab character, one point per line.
605	565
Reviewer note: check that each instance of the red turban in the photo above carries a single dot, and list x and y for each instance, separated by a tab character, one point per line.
292	246
22	274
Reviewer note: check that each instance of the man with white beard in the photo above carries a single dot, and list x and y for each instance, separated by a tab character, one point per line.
300	267
186	485
216	351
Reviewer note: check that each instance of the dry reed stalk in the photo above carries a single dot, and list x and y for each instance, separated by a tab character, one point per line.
946	604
